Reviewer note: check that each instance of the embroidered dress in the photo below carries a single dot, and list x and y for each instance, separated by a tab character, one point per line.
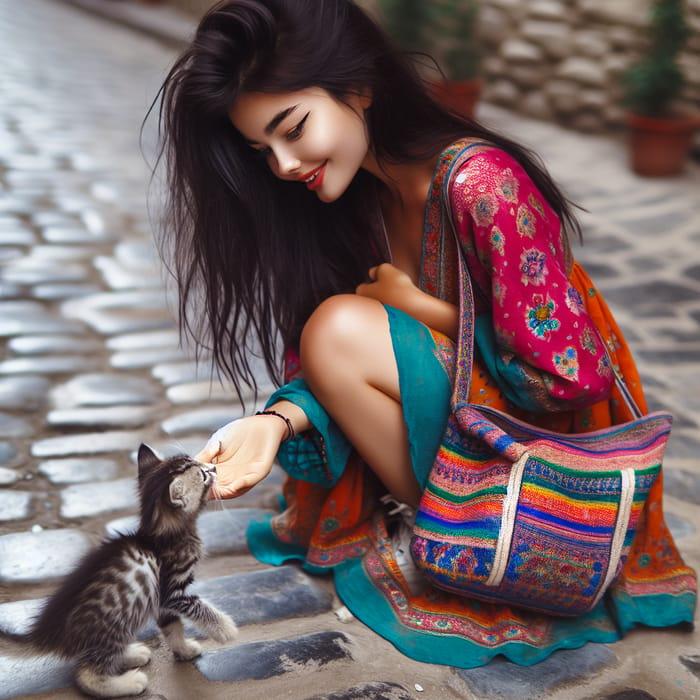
539	357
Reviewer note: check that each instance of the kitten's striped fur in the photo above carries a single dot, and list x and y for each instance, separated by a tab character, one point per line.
96	613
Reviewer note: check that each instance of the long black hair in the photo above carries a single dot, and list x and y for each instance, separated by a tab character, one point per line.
253	255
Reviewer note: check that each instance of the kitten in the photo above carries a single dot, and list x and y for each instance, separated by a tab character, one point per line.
95	614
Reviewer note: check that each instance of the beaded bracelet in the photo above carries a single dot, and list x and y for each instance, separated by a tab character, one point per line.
290	428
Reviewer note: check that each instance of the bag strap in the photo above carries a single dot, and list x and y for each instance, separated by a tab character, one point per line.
465	340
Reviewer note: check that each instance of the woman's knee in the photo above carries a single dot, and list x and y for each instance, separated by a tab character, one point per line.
338	330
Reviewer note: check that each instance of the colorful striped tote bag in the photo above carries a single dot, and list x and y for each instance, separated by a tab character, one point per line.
519	515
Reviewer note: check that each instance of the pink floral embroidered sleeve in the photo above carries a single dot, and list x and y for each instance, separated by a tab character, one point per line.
538	341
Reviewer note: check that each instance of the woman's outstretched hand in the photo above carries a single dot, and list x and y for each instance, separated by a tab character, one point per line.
243	452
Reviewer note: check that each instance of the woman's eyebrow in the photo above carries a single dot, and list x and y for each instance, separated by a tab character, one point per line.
279	117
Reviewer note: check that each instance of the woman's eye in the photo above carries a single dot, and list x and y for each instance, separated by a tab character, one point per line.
296	132
262	152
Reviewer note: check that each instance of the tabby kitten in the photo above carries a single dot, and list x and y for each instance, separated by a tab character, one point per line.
95	614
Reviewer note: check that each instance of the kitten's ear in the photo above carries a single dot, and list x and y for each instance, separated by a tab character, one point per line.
177	492
147	458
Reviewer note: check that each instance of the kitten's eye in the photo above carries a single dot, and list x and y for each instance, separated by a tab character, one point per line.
203	472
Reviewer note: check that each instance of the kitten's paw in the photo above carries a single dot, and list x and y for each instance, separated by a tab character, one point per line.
136	655
130	683
134	682
225	630
187	649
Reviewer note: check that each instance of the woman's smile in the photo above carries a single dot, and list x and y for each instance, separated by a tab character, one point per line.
314	179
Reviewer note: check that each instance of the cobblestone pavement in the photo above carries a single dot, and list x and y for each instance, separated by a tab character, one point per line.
90	367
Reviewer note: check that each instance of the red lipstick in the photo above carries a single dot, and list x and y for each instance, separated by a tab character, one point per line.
314	179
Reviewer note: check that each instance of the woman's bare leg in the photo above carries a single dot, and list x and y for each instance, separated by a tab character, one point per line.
348	362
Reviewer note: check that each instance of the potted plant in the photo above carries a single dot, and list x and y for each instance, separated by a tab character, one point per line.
446	29
460	54
660	133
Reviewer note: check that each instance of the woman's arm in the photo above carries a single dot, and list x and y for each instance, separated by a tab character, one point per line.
536	338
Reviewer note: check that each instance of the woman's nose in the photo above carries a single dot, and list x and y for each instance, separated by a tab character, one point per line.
287	163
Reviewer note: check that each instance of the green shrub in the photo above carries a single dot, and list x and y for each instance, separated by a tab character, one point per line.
655	81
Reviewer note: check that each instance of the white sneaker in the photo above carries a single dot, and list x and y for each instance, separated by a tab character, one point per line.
401	545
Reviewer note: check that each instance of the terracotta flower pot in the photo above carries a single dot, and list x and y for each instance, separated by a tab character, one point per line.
660	147
461	96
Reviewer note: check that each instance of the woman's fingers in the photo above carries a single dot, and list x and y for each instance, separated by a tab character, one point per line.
209	452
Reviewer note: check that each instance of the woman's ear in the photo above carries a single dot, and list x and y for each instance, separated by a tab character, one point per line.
365	98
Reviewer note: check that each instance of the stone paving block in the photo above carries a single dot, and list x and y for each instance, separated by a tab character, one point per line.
259	660
35	271
53	344
8	291
206	419
221	532
671	356
650	224
271	594
16	236
137	253
143	341
86	443
169	373
117	276
63	291
62	253
503	679
628	694
73	234
7	256
369	691
102	416
31	557
88	500
661	294
78	470
16	617
682	484
137	359
198	392
15	505
30	317
33	676
692	663
120	312
684	445
8	476
679	527
104	389
58	364
14	427
8	453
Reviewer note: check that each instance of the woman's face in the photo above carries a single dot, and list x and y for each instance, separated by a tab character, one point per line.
306	136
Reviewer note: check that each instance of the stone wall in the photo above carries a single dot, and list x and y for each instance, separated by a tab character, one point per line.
561	60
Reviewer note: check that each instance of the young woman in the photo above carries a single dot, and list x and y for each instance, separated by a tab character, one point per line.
306	162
